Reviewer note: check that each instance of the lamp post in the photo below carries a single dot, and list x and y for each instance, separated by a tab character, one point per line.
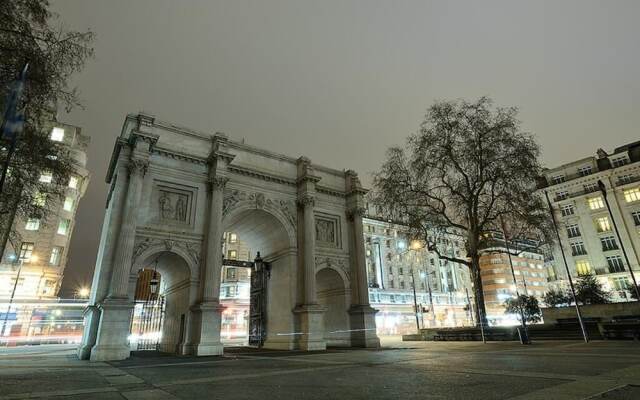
566	267
603	189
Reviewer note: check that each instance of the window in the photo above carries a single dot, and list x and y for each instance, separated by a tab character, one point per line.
68	204
573	231
557	179
619	162
402	284
400	272
73	182
568	210
562	195
233	238
56	255
603	224
577	249
57	134
26	252
583	267
63	226
620	283
636	217
595	203
632	195
39	199
584	171
33	224
615	264
232	254
624	179
46	177
231	273
391	283
608	243
590	187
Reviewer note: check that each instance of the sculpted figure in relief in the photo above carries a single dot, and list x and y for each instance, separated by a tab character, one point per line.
166	210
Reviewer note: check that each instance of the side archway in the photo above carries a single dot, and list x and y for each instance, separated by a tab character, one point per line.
333	295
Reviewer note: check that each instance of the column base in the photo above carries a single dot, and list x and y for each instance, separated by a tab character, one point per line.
363	326
310	327
113	331
207	320
89	333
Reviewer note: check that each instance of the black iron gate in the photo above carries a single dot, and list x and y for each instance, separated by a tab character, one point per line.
146	323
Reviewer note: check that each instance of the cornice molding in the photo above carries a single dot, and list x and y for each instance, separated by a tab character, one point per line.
260	175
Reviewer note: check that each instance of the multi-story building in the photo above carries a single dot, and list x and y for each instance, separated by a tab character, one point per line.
586	227
498	279
442	288
41	257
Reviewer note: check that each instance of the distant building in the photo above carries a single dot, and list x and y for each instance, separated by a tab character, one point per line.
443	289
498	280
42	254
586	229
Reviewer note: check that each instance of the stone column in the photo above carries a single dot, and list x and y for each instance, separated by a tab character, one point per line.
310	315
362	315
206	316
115	310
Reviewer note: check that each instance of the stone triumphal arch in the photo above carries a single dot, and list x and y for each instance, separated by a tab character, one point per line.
174	192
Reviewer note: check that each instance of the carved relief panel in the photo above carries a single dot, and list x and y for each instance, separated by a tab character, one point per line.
328	230
173	204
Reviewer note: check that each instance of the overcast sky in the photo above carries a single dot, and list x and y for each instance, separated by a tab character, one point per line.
340	81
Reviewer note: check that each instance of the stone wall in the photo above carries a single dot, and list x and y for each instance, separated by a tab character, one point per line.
603	311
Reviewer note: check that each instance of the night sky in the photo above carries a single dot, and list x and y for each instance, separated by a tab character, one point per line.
340	81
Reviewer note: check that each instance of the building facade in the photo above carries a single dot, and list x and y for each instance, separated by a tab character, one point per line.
587	230
41	257
443	289
530	273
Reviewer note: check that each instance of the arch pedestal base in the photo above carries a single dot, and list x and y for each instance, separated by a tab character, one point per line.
363	326
310	327
113	331
206	320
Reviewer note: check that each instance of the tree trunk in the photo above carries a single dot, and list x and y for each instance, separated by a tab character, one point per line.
6	224
481	311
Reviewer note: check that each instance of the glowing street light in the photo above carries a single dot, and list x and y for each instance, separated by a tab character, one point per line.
83	292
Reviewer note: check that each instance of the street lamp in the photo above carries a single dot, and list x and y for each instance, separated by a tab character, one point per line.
83	292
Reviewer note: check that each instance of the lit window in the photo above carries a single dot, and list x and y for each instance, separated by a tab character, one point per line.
583	267
46	177
233	238
33	224
39	199
620	283
73	182
595	203
63	226
632	195
68	204
26	252
231	273
57	134
232	254
603	224
56	255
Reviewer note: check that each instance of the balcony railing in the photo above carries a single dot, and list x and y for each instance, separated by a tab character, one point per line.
625	181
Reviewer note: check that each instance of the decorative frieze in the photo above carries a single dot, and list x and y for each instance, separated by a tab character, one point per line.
333	262
167	244
237	198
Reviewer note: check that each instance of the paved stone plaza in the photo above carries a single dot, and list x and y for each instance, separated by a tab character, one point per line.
434	370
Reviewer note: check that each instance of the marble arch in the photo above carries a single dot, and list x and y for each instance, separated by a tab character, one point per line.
175	190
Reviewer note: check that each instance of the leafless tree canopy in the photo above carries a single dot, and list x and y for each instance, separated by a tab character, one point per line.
30	33
467	169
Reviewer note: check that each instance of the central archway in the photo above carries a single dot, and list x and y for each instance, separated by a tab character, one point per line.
272	235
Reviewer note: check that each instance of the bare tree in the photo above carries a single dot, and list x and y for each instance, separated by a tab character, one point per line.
29	33
468	168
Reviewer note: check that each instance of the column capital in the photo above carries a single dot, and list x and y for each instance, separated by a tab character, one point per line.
138	166
218	182
306	200
356	212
